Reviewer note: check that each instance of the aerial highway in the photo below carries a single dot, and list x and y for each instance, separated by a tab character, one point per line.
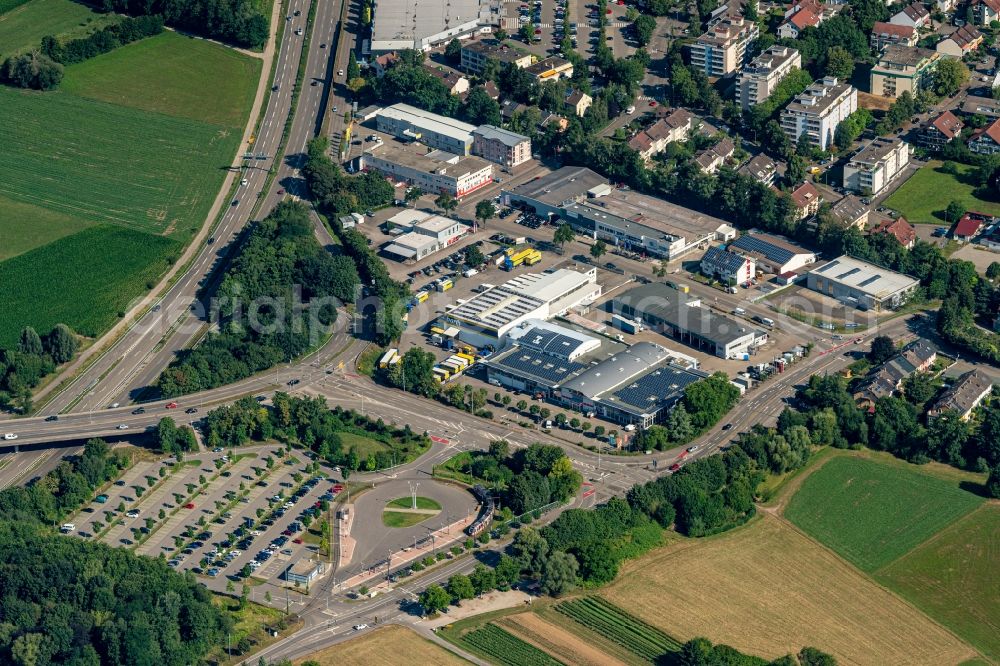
179	318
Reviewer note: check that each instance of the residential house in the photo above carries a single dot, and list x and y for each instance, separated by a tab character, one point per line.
963	396
914	15
655	139
761	76
851	212
884	381
761	168
724	46
710	159
727	267
384	63
969	226
966	39
807	200
492	90
773	254
985	12
902	68
876	165
986	141
799	21
453	81
941	130
578	102
884	34
818	110
900	229
945	6
509	107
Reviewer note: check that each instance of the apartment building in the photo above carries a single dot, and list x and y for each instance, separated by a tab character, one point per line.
476	53
884	34
941	130
818	110
876	165
903	68
502	146
723	49
410	123
759	78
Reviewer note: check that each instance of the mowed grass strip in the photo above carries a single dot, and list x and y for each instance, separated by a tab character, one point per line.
386	646
924	197
83	280
502	647
400	519
172	74
871	513
23	24
425	503
768	590
24	227
105	163
616	624
954	578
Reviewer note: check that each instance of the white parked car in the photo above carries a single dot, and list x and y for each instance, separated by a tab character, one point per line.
359	627
122	426
9	436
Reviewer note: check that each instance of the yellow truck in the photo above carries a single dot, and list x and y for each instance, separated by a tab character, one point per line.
388	357
518	256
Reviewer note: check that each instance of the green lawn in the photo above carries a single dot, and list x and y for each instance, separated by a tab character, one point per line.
364	445
24	227
400	519
23	26
923	198
407	503
170	74
954	578
83	280
871	513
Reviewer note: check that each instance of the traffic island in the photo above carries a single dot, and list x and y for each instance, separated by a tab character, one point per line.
409	511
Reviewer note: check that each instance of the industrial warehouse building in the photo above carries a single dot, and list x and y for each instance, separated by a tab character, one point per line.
428	234
622	218
398	25
860	284
679	316
431	170
486	318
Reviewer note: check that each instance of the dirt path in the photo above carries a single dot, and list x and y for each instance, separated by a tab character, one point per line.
556	641
488	602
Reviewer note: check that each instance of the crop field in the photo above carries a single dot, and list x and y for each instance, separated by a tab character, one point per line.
170	74
872	513
24	227
615	624
82	280
557	641
768	590
502	647
923	198
23	24
383	647
105	163
953	578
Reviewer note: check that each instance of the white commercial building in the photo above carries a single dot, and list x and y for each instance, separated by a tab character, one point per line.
489	316
430	170
428	234
398	25
759	78
876	165
818	110
408	122
860	284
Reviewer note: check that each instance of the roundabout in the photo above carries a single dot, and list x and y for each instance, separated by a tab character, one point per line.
407	511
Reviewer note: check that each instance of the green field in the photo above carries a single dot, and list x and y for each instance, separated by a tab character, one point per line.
363	445
953	578
24	227
872	513
170	74
83	280
23	25
501	647
422	503
619	626
399	519
923	198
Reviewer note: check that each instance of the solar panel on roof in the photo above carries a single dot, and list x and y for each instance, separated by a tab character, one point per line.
772	252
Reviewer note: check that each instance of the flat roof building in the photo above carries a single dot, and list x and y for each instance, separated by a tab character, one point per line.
763	74
681	317
398	25
903	69
860	284
818	110
489	316
875	166
772	253
411	123
549	194
723	48
428	234
476	53
430	170
552	68
501	146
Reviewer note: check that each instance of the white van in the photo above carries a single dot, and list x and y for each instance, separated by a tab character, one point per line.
630	110
67	527
470	272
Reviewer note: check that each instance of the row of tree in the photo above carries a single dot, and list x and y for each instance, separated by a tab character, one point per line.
240	22
105	40
278	299
23	367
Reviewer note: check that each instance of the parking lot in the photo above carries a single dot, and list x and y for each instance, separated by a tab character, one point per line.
222	518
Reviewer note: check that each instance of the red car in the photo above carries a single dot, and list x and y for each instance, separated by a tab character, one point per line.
171	405
296	540
675	467
287	533
189	505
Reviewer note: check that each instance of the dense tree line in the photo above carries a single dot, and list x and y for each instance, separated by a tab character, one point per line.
31	70
701	652
277	299
23	367
240	22
107	39
310	422
172	439
70	601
